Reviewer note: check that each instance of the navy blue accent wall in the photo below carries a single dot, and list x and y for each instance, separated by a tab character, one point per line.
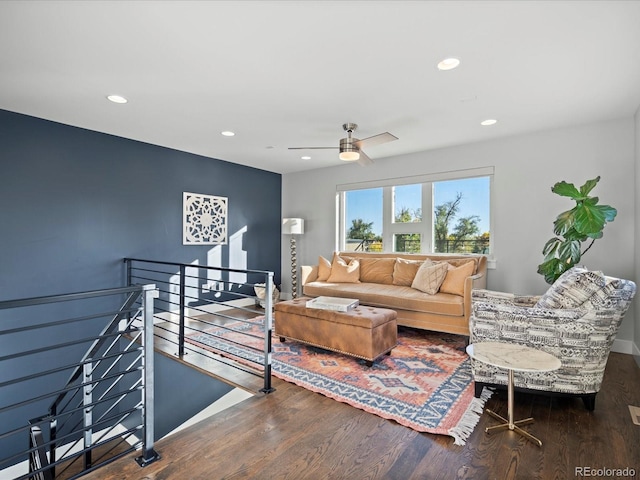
180	393
74	203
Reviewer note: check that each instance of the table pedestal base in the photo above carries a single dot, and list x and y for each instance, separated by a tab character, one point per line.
508	423
515	427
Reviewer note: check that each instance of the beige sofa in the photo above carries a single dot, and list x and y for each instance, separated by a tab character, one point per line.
391	280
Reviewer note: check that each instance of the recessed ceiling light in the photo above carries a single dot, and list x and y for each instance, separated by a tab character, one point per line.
448	64
306	157
117	99
488	122
227	133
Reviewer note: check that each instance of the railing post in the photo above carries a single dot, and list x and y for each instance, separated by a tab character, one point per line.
268	325
53	433
182	309
87	411
128	267
149	455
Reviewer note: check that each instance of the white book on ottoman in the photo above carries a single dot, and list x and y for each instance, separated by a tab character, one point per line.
333	303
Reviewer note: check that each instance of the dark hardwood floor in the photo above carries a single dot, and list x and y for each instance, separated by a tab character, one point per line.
297	434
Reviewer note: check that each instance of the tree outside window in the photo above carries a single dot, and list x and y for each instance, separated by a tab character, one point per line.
447	216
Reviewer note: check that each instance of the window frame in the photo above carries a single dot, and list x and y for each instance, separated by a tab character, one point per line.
389	227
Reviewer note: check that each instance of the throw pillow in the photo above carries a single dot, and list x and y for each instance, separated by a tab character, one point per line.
404	271
377	270
430	277
572	288
324	269
343	272
454	281
458	262
603	298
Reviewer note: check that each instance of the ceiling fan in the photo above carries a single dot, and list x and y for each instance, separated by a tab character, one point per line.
351	147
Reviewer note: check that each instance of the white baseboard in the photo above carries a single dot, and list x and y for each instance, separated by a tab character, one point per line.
625	346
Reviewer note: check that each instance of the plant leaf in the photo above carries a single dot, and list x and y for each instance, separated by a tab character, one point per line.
589	219
564	222
567	190
573	234
569	252
589	185
551	246
548	270
608	211
552	269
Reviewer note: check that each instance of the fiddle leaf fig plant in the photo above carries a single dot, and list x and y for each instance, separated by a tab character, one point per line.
583	223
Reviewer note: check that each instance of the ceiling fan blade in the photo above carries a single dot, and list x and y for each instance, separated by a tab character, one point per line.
375	140
364	160
313	148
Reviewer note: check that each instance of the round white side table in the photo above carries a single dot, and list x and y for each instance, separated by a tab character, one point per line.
513	357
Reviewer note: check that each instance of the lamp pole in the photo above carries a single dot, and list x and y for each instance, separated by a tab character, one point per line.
293	227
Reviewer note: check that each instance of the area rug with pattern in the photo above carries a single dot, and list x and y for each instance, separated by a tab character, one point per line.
425	384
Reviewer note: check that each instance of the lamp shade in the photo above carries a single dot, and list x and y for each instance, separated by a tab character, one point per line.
292	226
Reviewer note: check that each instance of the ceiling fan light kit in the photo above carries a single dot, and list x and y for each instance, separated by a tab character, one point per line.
348	151
351	148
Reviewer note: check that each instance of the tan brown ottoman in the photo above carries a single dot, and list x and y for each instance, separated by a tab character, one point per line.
364	332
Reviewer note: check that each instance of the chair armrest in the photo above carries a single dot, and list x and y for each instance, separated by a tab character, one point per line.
308	273
504	322
526	300
504	298
493	297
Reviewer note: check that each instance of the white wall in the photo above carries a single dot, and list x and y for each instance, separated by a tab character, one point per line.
524	208
637	236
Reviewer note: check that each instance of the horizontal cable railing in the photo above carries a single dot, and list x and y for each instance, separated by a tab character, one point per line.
211	312
83	392
409	245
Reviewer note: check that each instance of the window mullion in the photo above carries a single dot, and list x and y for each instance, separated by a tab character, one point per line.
341	216
427	217
387	219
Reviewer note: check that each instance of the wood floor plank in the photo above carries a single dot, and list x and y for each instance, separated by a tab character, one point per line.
297	434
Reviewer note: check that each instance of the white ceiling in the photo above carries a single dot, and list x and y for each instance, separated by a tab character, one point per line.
290	73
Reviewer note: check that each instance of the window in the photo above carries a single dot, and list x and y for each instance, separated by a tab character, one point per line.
447	213
364	218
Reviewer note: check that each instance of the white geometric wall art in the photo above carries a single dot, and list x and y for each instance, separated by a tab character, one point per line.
205	219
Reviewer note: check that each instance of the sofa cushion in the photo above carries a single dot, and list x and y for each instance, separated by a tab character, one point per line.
324	269
404	271
572	288
429	277
454	281
390	296
377	270
343	272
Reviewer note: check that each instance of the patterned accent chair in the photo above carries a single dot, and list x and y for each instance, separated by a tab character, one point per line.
576	320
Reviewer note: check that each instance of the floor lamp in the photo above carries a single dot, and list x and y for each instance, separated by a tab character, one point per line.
293	227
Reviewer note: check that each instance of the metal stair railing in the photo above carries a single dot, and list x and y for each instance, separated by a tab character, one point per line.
106	403
184	307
